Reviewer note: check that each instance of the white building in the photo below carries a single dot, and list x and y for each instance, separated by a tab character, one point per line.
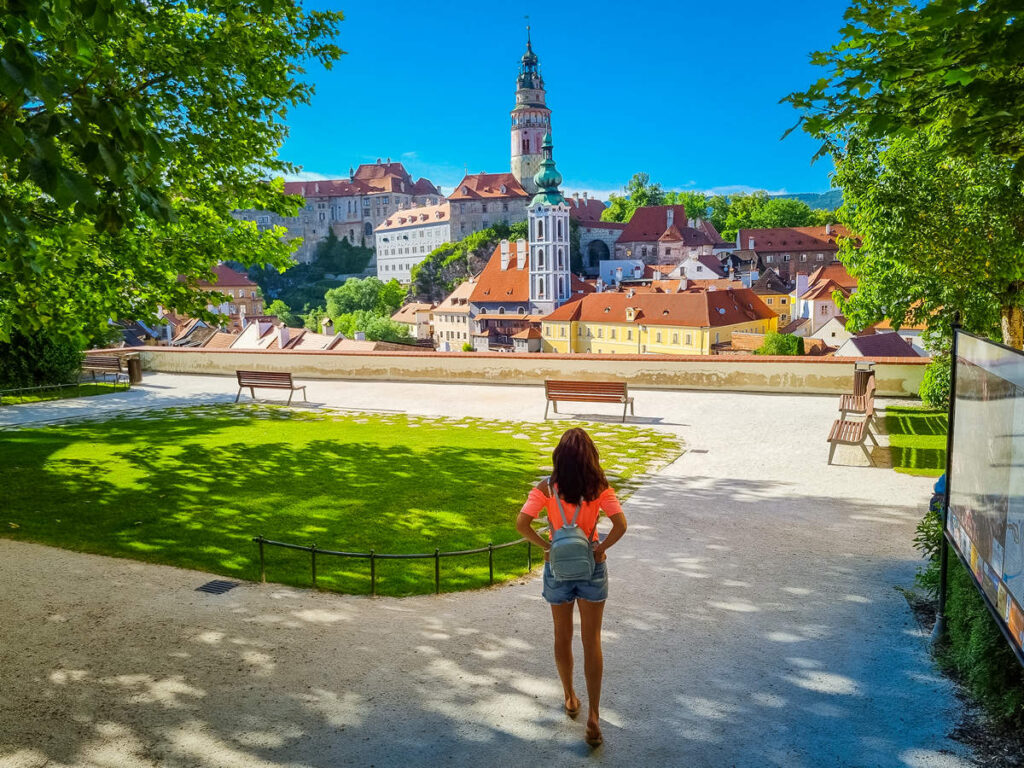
550	282
405	238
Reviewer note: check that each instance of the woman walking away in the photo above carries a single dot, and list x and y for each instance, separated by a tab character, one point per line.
575	570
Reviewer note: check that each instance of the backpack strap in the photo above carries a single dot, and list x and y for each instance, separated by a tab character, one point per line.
561	512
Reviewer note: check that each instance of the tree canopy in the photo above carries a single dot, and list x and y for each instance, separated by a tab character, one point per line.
128	134
950	68
370	294
939	234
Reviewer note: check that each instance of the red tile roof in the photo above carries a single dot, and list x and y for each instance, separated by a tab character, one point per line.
585	211
603	225
789	239
411	217
823	289
495	284
528	333
226	277
649	223
706	309
478	186
369	178
834	272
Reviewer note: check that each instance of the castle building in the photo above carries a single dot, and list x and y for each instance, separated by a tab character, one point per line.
531	120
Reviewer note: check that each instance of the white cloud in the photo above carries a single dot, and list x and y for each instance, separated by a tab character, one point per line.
409	155
307	176
736	189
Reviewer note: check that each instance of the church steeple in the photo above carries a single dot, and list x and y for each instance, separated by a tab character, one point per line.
547	178
531	119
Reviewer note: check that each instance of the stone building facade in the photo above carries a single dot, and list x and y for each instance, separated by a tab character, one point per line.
405	238
352	207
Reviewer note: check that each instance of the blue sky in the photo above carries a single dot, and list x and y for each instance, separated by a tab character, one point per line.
686	91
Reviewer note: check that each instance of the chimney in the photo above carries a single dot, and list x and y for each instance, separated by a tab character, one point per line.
521	255
638	271
618	275
670	215
683	284
828	229
692	223
241	315
283	336
316	187
378	161
327	326
359	336
389	161
351	173
505	256
599	285
630	293
584	196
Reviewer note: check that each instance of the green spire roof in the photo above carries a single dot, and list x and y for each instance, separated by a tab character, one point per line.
548	178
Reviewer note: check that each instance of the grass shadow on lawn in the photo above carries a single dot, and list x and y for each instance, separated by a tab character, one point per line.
917	438
192	487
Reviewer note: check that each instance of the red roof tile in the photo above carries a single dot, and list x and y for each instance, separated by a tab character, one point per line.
226	277
487	185
788	239
706	309
647	224
585	211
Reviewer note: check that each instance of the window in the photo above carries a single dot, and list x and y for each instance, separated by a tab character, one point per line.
501	310
782	300
657	337
689	338
786	257
769	258
611	334
820	257
561	332
768	301
559	229
540	229
561	259
824	309
540	258
803	257
629	335
600	333
675	338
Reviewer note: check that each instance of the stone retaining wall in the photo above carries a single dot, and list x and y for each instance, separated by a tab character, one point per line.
896	377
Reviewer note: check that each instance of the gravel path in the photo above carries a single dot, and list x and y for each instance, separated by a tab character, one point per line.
754	620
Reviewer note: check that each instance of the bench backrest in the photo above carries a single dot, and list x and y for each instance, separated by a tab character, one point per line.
103	362
869	397
616	389
258	378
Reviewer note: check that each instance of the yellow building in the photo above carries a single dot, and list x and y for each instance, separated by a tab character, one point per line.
689	323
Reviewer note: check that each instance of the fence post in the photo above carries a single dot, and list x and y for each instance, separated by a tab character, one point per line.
373	575
263	565
529	556
437	571
312	554
490	560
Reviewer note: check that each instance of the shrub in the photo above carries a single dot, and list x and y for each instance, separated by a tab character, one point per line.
37	360
467	347
776	343
976	651
935	385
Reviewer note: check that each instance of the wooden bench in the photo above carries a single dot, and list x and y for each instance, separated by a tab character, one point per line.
587	392
106	365
850	432
267	380
862	405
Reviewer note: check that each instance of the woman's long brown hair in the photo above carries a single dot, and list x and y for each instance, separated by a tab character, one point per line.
577	467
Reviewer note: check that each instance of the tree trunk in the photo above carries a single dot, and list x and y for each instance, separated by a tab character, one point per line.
1012	326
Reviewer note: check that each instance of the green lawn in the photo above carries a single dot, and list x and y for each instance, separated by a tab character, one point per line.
191	487
87	389
917	436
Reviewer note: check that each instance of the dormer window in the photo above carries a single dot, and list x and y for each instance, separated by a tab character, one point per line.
504	189
465	190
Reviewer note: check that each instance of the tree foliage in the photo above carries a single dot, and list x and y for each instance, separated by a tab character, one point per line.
283	313
758	210
341	257
781	344
128	134
949	68
939	234
370	294
639	192
374	326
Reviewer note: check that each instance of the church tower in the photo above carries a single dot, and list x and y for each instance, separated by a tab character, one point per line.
531	119
548	217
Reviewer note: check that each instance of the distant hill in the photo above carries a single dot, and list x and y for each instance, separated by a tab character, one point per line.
828	200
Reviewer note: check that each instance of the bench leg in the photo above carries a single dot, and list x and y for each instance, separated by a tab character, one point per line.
239	393
304	398
867	431
867	453
631	411
832	452
290	393
624	407
252	392
546	406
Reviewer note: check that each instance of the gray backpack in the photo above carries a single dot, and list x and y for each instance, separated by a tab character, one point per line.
571	556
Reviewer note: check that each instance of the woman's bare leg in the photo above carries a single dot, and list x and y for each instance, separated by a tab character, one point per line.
562	615
591	615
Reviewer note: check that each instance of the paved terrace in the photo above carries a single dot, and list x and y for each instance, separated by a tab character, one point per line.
754	619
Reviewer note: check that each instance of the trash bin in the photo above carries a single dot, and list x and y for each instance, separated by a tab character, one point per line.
862	374
134	369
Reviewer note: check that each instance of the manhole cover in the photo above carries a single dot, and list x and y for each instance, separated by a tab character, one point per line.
217	587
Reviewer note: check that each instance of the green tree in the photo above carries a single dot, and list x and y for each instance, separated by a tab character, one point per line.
780	344
368	295
283	313
638	193
949	68
340	256
129	131
452	263
939	234
311	320
375	326
758	210
695	203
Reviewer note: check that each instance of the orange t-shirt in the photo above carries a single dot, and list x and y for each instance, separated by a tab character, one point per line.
587	519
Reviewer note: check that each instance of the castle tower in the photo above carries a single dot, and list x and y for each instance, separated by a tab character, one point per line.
548	216
531	119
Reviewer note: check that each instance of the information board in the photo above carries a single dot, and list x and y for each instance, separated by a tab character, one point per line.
986	482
